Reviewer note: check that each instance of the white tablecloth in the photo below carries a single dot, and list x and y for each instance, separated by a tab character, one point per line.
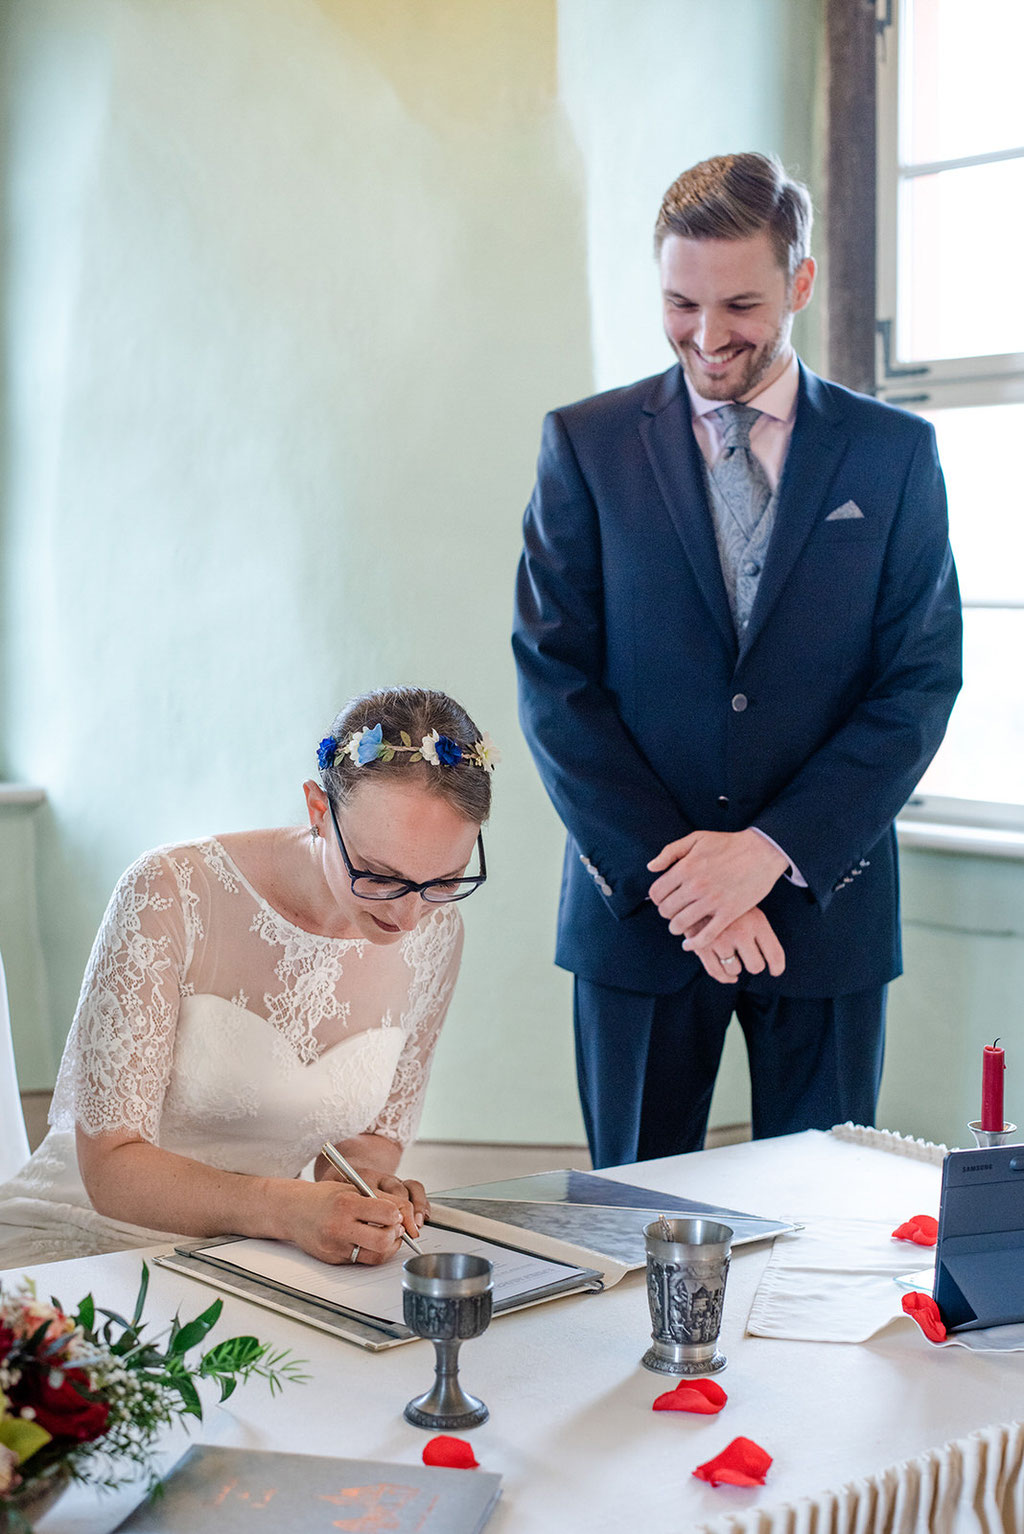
571	1428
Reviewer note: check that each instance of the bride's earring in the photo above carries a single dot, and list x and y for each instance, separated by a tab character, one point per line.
314	832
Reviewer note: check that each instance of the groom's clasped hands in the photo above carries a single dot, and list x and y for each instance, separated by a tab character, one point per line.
709	887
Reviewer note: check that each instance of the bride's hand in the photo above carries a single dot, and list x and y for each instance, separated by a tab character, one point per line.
330	1218
409	1197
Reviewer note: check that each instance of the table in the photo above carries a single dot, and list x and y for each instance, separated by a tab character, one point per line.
571	1430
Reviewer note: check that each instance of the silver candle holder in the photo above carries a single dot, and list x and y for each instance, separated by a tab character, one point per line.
985	1139
447	1297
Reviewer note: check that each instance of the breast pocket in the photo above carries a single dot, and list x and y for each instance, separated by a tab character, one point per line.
835	590
852	530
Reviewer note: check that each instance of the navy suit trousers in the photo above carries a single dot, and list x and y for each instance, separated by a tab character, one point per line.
646	1065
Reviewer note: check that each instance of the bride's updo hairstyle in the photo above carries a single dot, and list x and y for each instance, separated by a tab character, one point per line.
407	716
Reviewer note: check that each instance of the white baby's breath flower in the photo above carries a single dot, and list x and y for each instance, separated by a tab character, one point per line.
352	749
428	746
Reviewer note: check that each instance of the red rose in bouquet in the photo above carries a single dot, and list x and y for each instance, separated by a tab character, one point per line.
56	1397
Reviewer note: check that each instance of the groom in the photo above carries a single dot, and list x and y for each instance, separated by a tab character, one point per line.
738	642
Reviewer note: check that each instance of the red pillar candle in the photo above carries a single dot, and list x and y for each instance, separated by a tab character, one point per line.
993	1065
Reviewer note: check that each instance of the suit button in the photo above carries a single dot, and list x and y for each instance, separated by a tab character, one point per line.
751	567
739	703
722	801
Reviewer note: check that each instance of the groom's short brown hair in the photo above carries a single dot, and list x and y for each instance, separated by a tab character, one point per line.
735	196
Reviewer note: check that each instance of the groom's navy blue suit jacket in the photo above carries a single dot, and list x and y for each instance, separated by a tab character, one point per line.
648	720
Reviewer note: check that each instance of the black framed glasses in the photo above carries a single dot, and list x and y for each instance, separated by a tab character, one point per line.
370	886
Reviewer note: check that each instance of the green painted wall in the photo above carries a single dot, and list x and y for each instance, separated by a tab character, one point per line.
653	87
287	287
21	944
963	942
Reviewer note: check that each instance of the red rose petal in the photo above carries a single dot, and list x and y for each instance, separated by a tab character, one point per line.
923	1309
705	1396
922	1229
453	1452
741	1463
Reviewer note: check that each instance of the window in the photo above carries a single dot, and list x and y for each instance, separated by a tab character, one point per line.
951	345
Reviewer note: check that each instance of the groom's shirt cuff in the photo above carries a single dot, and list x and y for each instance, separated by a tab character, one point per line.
792	873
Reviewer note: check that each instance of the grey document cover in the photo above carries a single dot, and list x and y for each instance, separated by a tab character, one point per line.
595	1214
238	1490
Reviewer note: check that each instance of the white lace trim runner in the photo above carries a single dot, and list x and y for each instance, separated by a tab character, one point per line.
889	1140
974	1483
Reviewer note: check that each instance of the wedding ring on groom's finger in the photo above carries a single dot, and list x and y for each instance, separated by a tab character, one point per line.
355	1254
729	959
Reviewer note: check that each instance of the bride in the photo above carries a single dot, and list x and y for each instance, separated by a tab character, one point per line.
253	995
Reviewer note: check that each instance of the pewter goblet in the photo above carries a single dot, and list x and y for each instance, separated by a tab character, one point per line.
446	1296
686	1276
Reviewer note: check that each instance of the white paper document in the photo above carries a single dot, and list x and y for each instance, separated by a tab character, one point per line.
377	1291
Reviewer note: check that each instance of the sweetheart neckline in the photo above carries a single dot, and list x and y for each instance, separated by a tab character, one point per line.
305	1065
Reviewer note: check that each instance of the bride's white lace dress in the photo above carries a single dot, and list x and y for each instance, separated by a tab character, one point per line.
211	1026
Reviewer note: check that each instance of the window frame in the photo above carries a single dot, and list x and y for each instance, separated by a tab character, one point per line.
932	384
940	382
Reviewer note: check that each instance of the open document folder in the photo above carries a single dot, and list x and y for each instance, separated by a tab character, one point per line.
541	1246
601	1220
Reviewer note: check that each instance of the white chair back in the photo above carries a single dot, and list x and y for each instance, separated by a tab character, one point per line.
13	1139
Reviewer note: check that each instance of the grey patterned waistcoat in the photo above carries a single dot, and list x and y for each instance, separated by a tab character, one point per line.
742	506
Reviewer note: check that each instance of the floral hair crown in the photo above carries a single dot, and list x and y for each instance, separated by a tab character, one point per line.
368	745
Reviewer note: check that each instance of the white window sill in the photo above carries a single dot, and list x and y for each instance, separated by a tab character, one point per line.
21	793
980	841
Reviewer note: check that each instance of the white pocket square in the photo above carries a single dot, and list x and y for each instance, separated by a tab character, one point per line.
844	512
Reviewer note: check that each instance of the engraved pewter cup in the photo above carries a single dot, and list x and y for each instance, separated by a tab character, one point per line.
685	1288
446	1296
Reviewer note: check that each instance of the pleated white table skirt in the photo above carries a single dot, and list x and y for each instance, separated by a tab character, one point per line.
972	1486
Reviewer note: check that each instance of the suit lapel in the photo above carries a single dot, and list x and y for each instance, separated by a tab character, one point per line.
817	445
675	458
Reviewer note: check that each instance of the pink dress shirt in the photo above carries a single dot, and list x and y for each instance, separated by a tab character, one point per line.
769	436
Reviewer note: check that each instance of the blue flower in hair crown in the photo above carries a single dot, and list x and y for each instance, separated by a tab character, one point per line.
369	745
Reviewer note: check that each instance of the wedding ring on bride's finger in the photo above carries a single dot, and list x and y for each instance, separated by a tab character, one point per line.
729	959
355	1254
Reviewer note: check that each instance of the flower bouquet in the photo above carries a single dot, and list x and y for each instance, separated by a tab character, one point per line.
83	1397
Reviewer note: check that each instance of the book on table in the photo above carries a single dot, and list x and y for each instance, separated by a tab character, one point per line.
238	1490
548	1235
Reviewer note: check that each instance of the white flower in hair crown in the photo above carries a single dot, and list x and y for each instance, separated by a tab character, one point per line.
369	745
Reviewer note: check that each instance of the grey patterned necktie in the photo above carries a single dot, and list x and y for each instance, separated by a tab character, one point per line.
738	475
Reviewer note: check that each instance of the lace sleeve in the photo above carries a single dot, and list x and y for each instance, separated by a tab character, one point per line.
436	952
117	1059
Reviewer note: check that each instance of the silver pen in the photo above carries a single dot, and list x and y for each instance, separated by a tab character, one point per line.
349	1172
